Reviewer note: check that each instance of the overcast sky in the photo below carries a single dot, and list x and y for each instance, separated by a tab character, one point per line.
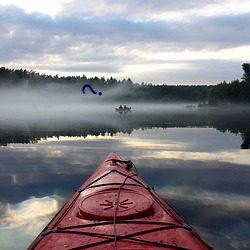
154	41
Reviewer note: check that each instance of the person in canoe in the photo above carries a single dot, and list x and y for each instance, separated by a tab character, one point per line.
122	109
126	109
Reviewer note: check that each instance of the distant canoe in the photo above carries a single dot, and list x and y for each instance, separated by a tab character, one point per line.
125	110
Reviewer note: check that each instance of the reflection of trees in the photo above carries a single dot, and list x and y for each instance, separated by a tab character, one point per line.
236	122
246	141
222	120
16	137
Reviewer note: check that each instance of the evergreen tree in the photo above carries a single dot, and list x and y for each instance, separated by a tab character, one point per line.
246	75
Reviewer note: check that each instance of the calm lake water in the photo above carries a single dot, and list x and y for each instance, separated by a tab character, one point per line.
197	160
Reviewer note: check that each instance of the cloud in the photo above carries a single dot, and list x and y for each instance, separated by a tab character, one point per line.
113	38
144	10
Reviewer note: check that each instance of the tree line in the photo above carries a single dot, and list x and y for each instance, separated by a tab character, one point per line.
236	91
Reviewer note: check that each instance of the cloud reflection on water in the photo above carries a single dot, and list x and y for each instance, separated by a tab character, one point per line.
234	156
21	222
29	211
207	184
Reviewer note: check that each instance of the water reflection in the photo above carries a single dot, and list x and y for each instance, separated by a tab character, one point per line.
110	123
21	221
199	169
31	210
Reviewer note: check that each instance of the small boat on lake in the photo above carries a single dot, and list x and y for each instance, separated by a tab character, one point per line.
116	209
124	109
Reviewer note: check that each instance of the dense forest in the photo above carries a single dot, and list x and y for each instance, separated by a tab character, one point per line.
234	92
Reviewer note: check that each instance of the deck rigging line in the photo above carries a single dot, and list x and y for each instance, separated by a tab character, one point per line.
130	174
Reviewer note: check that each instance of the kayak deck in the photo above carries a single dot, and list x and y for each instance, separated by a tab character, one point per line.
116	209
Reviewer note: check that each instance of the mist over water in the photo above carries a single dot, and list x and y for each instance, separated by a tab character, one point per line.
64	103
54	137
49	102
54	108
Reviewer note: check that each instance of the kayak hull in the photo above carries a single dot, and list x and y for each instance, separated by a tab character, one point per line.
116	209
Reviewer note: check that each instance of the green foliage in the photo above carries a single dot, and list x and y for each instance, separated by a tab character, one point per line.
234	92
246	75
222	93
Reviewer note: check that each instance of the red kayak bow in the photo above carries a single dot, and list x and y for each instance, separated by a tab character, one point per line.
116	209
